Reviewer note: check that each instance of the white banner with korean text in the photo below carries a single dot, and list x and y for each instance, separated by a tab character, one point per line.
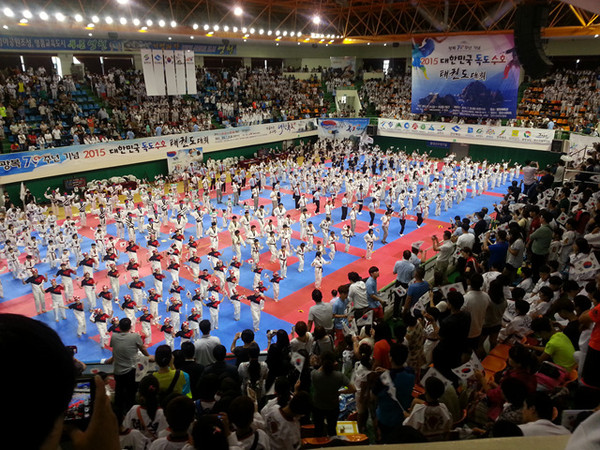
23	166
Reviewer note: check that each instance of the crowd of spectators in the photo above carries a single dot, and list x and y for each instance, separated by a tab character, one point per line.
504	350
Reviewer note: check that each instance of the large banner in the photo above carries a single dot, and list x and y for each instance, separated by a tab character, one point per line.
580	145
482	134
22	166
472	76
176	67
342	128
180	160
345	63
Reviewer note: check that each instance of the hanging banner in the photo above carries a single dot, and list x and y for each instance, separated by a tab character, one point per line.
342	128
180	72
190	72
536	138
148	71
474	76
169	61
159	72
23	166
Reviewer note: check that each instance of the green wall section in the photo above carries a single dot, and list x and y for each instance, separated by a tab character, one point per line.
146	170
477	152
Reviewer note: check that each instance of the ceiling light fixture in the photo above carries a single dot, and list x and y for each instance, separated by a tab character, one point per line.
95	19
90	26
235	29
123	21
44	15
226	28
136	22
195	26
269	33
78	18
161	23
8	12
60	17
109	20
261	31
173	24
316	19
216	28
238	11
149	22
90	34
206	27
122	2
244	30
27	14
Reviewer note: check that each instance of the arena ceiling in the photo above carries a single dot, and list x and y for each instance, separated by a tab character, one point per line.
332	21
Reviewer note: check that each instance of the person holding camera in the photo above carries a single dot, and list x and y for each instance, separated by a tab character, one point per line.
446	250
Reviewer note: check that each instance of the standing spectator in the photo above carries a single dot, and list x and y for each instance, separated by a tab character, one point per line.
241	352
278	356
220	368
205	345
125	346
476	304
404	271
327	383
338	308
357	294
453	333
416	290
539	244
191	367
321	313
375	302
529	175
591	367
391	404
445	253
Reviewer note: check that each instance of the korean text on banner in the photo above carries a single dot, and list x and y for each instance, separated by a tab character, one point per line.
474	76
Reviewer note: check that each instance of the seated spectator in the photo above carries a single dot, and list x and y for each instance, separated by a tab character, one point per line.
558	348
283	422
220	368
147	417
241	414
538	414
180	415
169	380
431	418
253	374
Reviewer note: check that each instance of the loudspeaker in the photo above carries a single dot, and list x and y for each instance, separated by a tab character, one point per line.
113	35
529	20
557	146
396	44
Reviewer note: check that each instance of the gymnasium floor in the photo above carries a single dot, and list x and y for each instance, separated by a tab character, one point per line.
295	290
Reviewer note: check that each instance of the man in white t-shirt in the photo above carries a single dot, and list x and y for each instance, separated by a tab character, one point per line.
476	304
205	345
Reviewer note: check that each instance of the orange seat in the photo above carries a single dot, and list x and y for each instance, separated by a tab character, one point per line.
316	441
358	438
501	351
573	375
493	364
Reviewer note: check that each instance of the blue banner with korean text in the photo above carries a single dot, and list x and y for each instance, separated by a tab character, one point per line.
469	76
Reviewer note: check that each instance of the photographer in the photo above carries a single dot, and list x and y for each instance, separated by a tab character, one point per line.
445	251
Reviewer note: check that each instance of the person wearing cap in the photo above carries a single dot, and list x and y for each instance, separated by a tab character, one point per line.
256	305
137	287
147	320
193	321
129	307
88	264
77	307
56	294
100	318
66	276
87	284
275	283
174	309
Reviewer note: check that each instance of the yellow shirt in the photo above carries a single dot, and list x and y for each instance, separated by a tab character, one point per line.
165	379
